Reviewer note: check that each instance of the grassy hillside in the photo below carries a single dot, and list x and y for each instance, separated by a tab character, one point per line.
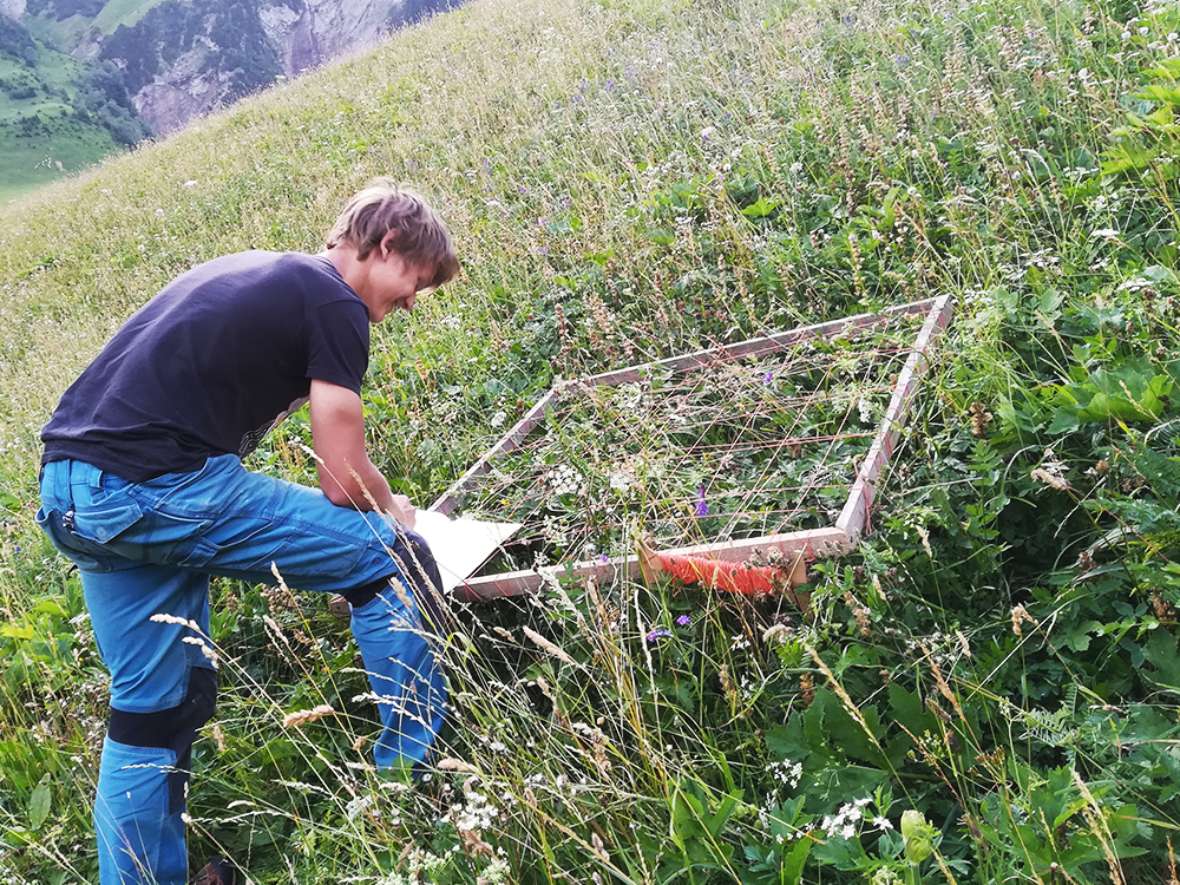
631	179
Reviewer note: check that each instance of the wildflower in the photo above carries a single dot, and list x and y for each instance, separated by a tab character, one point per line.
357	806
702	506
778	633
767	377
683	621
498	418
603	558
620	481
1105	233
656	634
865	410
882	823
191	183
841	823
495	873
565	480
786	772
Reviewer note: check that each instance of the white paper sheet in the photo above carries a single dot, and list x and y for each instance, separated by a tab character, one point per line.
462	545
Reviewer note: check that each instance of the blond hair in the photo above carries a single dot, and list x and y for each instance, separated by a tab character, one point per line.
385	206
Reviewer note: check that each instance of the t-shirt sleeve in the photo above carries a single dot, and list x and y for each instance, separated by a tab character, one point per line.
338	344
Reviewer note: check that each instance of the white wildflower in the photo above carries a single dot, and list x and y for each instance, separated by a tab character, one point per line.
865	409
564	480
620	480
357	806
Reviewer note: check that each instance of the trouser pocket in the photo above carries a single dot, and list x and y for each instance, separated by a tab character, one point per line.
103	523
79	551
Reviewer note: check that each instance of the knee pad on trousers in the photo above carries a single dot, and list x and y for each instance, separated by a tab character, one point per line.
421	569
172	729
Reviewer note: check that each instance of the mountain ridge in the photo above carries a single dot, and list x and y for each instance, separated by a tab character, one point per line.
106	73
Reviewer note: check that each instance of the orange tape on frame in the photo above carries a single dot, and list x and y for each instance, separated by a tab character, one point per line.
731	577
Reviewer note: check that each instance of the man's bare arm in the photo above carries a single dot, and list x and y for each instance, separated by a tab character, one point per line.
338	434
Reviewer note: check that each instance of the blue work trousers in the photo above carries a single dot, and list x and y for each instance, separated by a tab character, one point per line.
146	551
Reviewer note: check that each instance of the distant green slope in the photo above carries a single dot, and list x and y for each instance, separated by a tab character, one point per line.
54	117
122	12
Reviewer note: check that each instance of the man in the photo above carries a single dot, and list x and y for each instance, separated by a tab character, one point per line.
142	486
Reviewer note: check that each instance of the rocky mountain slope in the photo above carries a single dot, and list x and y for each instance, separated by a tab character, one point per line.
78	78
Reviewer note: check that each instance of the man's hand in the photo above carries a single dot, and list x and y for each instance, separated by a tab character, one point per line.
403	511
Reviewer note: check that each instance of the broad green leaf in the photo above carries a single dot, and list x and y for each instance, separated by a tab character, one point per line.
39	802
17	631
796	859
50	607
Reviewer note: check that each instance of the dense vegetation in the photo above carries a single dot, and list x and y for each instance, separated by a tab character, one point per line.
986	691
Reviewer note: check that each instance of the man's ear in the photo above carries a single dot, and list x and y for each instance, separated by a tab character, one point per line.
387	242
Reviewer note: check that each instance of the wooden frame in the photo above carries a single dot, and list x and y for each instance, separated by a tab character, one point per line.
810	544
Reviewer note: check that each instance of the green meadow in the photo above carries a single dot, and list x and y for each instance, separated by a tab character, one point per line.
43	131
985	691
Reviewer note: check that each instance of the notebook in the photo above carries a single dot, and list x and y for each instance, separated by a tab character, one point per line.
460	546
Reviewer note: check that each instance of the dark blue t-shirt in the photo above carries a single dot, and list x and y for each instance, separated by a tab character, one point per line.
220	356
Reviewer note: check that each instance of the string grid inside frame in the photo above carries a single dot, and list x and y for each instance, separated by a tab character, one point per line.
767	439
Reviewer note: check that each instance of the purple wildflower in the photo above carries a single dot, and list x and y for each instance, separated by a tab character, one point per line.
702	506
683	621
768	377
602	557
657	633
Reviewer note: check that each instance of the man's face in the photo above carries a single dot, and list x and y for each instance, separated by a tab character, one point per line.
393	283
